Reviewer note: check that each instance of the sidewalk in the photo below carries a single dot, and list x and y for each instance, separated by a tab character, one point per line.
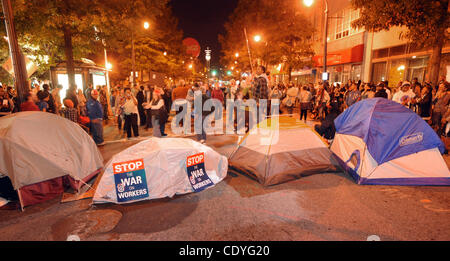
111	133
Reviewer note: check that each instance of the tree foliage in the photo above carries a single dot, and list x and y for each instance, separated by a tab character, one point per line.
427	22
163	36
94	24
285	31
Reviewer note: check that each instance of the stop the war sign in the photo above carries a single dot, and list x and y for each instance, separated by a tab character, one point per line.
130	180
196	172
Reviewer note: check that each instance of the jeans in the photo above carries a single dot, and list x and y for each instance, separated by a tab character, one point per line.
148	122
142	115
162	127
97	131
303	113
119	121
202	136
131	123
156	127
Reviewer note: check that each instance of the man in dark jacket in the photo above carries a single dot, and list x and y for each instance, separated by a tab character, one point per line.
51	100
326	128
141	99
95	114
380	91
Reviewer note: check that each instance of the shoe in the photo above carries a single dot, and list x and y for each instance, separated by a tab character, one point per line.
164	135
202	141
101	144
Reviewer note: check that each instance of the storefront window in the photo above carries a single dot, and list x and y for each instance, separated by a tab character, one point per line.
341	26
379	72
417	68
397	72
381	53
355	73
63	79
335	73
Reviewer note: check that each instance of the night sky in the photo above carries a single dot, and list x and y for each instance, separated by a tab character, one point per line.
204	20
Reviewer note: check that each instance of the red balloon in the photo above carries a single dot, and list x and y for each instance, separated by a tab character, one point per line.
192	47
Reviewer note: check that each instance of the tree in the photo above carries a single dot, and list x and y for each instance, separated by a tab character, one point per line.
57	29
53	30
159	48
427	22
286	35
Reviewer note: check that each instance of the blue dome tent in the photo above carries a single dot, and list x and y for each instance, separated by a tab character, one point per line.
380	142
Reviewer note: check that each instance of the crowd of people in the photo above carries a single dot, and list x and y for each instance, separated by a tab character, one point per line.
149	106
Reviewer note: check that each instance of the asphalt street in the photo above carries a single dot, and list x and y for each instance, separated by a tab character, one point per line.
328	206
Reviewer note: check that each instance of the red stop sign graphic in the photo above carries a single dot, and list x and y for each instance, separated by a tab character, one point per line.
192	47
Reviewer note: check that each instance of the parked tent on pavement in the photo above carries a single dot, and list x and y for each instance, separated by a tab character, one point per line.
379	141
41	152
277	153
159	168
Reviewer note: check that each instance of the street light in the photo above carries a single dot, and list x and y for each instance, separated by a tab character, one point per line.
133	55
165	53
325	34
236	55
108	66
208	59
308	3
257	38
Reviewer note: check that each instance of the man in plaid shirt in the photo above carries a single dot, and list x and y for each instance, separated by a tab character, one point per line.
260	91
69	112
259	88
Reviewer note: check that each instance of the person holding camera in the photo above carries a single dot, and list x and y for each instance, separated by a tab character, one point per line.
130	111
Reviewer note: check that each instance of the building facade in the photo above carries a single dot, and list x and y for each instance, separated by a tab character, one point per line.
355	54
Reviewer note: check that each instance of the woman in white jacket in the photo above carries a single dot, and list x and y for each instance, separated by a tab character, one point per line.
157	107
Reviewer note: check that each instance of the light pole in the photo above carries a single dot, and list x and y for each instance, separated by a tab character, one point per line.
133	55
248	49
208	64
20	71
325	33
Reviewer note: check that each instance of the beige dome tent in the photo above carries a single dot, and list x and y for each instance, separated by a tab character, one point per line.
281	152
41	152
159	168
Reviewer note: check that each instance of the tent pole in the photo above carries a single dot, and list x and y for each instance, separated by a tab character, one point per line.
20	199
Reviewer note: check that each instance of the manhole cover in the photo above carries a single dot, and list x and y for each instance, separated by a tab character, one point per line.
84	224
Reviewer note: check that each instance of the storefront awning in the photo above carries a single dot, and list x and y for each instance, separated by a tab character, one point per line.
350	55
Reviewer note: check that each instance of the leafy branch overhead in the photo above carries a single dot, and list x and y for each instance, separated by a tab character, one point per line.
94	24
427	23
285	31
